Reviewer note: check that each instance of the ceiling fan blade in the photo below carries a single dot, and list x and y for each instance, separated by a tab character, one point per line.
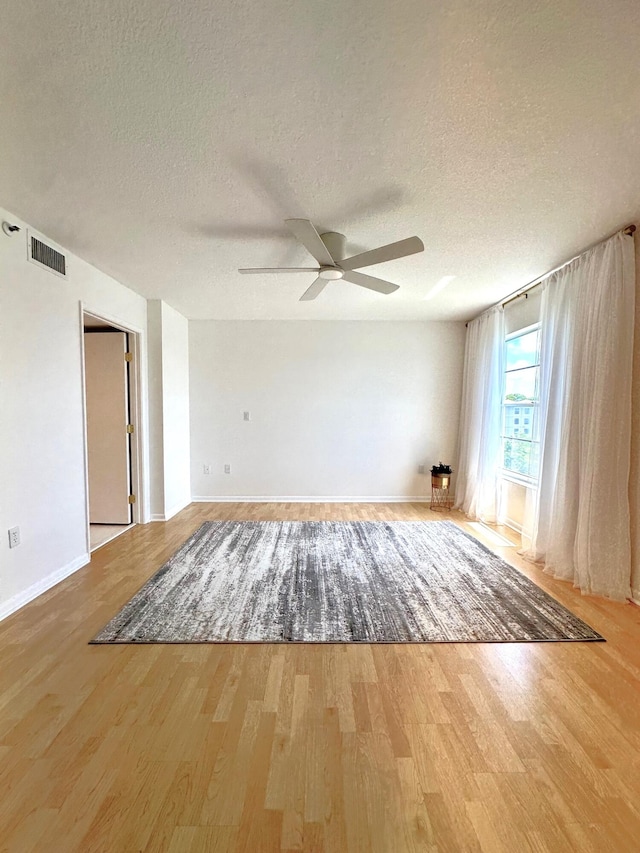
370	282
315	290
257	270
385	253
304	231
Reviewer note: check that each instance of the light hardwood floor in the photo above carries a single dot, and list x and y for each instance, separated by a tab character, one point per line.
352	748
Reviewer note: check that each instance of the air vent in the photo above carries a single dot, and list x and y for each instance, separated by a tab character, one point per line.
46	256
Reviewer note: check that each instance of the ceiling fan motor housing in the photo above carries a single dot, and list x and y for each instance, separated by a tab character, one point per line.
335	243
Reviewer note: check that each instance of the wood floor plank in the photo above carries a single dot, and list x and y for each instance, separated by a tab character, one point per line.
313	748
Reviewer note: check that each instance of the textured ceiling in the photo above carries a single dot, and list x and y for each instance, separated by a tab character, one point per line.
165	142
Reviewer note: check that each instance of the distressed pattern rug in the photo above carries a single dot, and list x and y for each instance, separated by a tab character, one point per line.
339	582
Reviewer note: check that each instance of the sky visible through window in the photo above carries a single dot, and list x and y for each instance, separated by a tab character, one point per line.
521	371
522	351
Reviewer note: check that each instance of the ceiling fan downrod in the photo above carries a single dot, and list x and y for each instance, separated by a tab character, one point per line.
335	243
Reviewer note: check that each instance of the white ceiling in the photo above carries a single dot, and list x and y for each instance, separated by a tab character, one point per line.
165	142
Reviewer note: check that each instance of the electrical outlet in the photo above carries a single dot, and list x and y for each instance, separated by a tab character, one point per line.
247	416
420	469
14	537
206	469
227	469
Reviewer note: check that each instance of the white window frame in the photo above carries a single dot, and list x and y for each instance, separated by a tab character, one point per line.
507	473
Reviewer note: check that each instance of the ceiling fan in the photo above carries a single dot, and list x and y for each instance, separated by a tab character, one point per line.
328	251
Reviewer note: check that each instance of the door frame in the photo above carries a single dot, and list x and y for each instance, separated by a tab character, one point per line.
136	409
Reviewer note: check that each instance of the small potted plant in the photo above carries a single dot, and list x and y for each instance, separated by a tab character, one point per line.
440	484
441	476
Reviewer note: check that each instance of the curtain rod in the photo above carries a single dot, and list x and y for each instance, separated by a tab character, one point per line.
522	291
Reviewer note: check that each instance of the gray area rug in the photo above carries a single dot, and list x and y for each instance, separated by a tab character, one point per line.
339	582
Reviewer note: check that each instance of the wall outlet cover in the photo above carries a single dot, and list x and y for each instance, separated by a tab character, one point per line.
227	469
14	537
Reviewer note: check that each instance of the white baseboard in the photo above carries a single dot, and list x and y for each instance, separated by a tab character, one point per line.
165	516
176	509
21	598
312	499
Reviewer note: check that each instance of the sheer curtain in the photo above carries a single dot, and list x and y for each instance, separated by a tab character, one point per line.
480	417
579	522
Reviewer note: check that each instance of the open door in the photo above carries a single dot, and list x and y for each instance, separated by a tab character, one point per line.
108	439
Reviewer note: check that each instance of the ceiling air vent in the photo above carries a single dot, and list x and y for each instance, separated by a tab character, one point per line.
46	256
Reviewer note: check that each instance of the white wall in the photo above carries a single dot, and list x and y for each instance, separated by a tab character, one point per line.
512	503
523	311
156	427
634	480
42	464
338	409
175	410
169	404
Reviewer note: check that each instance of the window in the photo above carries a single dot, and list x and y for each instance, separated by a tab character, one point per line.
521	446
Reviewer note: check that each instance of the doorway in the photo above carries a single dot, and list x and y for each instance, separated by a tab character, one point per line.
111	452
